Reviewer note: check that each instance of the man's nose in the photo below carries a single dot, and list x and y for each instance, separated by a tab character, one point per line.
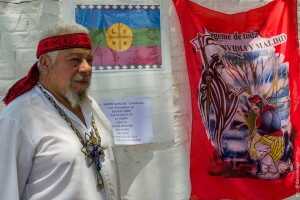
85	66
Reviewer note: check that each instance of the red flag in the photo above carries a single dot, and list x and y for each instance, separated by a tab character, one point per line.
244	79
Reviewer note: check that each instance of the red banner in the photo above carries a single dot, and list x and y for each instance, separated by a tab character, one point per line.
244	79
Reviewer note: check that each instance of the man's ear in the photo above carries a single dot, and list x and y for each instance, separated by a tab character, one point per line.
44	63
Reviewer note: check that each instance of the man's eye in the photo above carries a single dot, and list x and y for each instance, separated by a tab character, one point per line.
75	59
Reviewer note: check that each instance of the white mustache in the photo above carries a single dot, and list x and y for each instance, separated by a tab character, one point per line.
78	77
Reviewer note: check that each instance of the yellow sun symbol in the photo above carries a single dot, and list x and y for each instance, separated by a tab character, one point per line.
119	37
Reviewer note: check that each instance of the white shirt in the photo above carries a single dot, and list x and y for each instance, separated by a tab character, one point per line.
40	155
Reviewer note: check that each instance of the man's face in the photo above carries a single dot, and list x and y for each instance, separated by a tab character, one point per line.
71	72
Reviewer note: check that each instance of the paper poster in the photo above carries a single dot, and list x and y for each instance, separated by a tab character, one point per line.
131	120
125	37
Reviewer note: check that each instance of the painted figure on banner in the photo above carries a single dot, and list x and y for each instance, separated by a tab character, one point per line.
244	103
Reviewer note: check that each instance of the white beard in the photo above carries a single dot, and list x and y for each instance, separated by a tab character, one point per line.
74	98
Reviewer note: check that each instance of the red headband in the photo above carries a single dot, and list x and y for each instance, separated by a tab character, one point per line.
60	42
54	43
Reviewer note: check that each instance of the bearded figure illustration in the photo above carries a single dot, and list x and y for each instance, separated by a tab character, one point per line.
243	100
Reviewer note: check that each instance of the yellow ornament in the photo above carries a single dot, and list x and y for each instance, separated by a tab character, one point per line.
119	37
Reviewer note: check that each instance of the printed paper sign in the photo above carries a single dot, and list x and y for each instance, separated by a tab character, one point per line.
131	120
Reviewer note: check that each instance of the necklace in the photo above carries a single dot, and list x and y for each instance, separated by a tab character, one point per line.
91	144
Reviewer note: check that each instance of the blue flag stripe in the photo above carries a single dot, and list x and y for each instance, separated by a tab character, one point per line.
102	19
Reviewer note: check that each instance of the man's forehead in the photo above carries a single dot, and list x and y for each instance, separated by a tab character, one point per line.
77	51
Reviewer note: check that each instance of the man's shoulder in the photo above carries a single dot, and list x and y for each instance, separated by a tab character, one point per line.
23	106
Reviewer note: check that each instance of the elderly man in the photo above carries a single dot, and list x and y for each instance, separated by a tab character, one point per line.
55	143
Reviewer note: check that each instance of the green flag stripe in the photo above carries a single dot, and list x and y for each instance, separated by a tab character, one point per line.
141	37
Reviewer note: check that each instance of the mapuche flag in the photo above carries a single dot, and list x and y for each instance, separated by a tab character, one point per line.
244	79
123	36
